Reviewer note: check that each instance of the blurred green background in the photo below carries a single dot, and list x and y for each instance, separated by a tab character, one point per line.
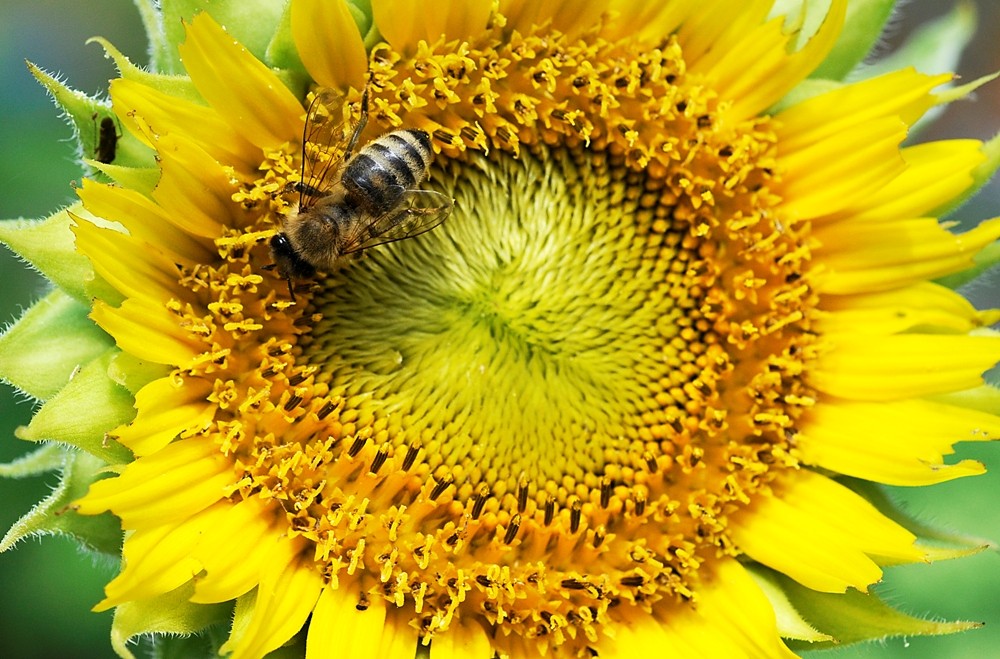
47	587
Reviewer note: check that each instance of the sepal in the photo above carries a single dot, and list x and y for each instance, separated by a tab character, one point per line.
936	47
83	412
49	344
133	373
50	246
54	515
791	625
981	175
86	115
46	458
935	543
862	28
170	613
850	617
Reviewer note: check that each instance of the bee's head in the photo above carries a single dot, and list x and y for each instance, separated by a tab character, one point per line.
287	261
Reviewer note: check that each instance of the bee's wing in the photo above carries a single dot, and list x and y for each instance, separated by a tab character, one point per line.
418	212
324	137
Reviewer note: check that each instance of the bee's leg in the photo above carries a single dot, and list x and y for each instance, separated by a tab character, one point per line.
362	121
303	188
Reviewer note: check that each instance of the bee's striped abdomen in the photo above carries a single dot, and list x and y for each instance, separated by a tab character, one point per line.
376	178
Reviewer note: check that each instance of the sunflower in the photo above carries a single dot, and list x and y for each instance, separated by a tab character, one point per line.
634	394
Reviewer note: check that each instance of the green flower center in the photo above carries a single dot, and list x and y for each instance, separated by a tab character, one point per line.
530	334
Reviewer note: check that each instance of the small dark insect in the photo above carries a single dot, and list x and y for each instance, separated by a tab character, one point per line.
349	202
106	140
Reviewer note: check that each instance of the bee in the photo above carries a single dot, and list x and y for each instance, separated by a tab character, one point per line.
352	202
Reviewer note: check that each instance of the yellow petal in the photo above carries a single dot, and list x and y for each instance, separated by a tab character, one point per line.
707	33
904	94
758	85
346	623
163	114
733	602
827	175
194	189
649	21
899	442
566	16
157	560
233	551
934	174
463	639
183	479
330	43
288	591
821	534
902	366
404	24
923	304
865	257
134	267
143	220
147	330
166	408
241	88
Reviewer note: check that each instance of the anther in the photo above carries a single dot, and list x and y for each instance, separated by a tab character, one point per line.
482	495
439	488
522	493
575	513
515	526
379	459
411	456
606	489
550	510
640	503
326	410
359	443
293	402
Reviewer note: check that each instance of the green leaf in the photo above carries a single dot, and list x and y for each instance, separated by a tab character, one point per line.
803	91
863	25
935	47
791	625
54	515
196	646
50	246
86	116
251	22
854	617
42	460
984	398
281	52
170	613
41	352
939	544
143	179
132	373
174	85
985	260
162	59
81	414
981	175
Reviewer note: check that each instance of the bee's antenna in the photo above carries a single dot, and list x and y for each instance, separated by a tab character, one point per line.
291	291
